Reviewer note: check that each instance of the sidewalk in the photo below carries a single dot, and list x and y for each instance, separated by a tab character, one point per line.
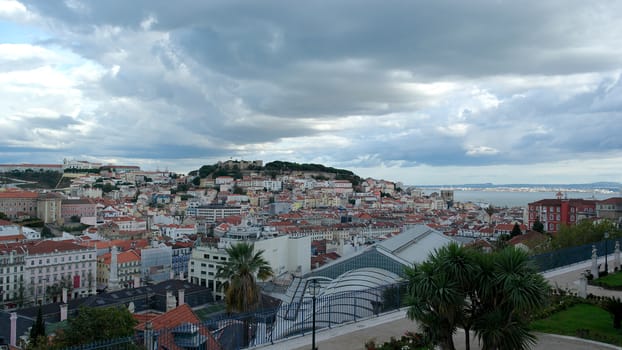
353	337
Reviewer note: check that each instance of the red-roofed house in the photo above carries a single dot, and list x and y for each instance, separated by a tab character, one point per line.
554	213
128	268
506	229
610	208
179	323
12	203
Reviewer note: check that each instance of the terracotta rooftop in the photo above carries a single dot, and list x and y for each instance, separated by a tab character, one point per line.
47	246
180	316
122	257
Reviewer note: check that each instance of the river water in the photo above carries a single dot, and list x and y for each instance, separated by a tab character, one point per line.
518	199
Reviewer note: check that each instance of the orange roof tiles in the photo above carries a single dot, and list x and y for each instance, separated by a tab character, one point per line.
122	257
46	247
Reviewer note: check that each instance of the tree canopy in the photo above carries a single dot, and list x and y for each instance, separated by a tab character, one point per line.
242	294
492	294
95	324
584	232
516	231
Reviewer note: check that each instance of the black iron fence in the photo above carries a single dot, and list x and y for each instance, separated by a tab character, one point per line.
240	331
573	255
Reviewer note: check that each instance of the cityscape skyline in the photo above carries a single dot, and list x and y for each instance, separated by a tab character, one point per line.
420	93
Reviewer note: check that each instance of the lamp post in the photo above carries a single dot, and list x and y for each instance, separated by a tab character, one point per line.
315	288
606	240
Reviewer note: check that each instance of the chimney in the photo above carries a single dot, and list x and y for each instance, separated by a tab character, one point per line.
63	312
171	303
13	329
180	297
136	281
149	341
64	300
172	275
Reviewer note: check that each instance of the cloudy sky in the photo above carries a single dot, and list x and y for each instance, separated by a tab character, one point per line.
423	92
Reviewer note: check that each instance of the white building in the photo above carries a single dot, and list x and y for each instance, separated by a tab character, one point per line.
284	254
11	271
50	263
178	231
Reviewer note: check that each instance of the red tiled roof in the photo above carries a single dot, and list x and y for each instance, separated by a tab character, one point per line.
612	200
122	257
46	247
12	238
18	194
180	315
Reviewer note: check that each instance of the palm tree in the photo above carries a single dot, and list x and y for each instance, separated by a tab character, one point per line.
436	296
613	305
242	294
510	289
490	211
491	294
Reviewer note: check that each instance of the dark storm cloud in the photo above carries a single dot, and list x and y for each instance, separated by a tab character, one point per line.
401	83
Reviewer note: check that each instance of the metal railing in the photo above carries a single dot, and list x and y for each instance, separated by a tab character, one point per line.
240	331
572	255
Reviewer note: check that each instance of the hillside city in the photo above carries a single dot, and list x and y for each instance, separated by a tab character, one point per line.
153	241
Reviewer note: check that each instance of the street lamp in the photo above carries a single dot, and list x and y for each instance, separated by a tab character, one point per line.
606	240
314	290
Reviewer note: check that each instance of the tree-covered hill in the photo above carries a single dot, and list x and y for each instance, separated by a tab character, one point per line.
274	168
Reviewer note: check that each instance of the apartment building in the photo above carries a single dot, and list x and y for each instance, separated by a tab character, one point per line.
554	213
284	254
82	207
23	204
50	263
11	273
16	204
212	212
128	269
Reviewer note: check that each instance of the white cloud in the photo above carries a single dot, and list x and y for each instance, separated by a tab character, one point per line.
453	89
14	10
480	151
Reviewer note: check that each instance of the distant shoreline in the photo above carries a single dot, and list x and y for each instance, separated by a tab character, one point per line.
526	189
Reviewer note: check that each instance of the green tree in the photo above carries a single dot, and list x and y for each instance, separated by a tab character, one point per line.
490	210
196	181
238	190
46	232
95	324
538	226
509	290
3	216
516	231
74	219
490	294
37	331
242	294
613	305
584	232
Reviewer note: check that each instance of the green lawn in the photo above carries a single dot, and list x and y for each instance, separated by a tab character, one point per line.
595	322
612	280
